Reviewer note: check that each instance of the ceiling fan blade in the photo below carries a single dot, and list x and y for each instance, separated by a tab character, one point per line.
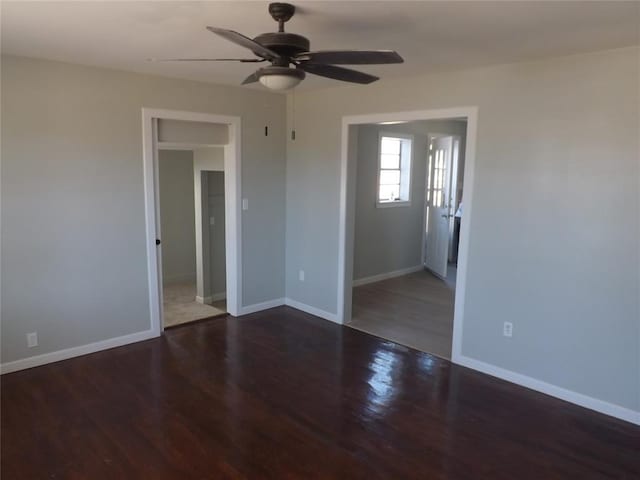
338	73
254	77
246	42
351	57
243	60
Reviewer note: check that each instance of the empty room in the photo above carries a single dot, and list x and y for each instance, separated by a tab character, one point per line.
408	207
191	206
332	240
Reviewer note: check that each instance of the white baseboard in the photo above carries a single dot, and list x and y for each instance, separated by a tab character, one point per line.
204	300
591	403
387	275
215	297
291	303
67	353
585	401
312	310
257	307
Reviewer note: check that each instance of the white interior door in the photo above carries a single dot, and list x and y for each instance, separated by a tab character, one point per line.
158	235
438	205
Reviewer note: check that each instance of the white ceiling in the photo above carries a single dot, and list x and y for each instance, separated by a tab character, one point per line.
431	36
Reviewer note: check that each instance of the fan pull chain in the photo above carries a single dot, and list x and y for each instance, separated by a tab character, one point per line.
293	115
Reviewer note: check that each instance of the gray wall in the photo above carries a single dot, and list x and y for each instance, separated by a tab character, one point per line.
177	216
390	239
217	255
73	227
555	226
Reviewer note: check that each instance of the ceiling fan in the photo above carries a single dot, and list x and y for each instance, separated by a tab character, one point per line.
291	59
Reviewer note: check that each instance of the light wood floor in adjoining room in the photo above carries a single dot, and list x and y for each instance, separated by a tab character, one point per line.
180	306
415	310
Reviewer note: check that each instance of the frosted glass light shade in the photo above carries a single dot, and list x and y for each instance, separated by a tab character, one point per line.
279	82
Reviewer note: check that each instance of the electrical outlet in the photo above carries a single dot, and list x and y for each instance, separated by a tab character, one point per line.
245	204
212	220
507	329
32	339
301	275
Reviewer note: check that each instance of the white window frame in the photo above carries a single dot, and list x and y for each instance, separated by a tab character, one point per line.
406	165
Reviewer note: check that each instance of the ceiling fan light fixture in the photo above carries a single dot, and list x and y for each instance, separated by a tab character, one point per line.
290	56
280	78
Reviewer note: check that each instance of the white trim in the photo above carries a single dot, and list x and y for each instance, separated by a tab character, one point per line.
465	233
394	203
585	401
346	213
149	159
233	224
387	275
311	310
406	151
214	297
204	300
67	353
258	307
278	302
186	146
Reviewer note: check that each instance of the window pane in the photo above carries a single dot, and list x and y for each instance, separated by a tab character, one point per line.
389	192
390	145
389	177
390	160
437	198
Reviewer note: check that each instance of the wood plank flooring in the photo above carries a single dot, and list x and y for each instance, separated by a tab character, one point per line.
415	310
284	395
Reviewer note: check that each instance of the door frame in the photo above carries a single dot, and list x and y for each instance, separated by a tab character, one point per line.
347	208
233	224
455	138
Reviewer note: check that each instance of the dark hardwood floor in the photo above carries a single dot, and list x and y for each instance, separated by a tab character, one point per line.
284	395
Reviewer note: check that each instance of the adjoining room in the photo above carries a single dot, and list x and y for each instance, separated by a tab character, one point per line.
191	205
408	209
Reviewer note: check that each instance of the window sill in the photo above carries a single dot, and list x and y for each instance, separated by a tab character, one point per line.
398	203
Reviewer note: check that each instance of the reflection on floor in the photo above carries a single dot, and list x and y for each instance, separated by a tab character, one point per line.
180	305
415	310
281	394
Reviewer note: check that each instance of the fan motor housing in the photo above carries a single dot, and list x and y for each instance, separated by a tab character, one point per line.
284	43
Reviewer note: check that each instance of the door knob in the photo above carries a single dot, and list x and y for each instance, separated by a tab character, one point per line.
157	241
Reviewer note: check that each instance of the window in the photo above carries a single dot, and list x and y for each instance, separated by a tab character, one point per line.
394	172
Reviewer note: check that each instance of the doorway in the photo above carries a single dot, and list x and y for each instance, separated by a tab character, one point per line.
408	278
211	143
443	204
192	213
